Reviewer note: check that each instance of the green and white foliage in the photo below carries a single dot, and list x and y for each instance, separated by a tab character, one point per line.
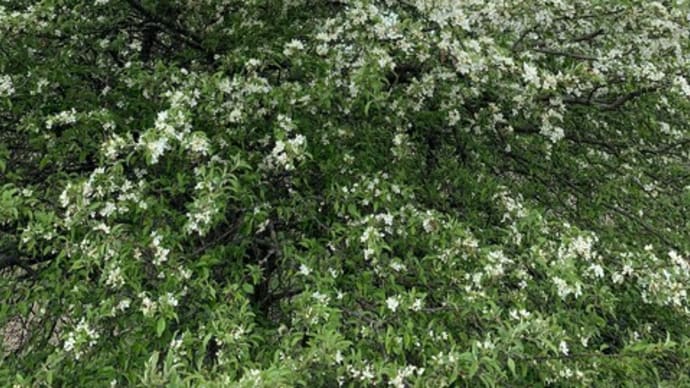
367	192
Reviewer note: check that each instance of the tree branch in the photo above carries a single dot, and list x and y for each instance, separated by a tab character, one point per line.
588	37
191	38
9	261
564	54
611	104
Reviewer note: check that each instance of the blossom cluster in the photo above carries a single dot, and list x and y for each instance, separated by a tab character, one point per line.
366	192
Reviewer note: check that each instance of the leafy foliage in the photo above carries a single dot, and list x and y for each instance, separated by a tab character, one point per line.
369	192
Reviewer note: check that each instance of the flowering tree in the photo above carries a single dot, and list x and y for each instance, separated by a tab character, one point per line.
365	192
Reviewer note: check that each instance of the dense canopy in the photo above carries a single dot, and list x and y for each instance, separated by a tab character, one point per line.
344	192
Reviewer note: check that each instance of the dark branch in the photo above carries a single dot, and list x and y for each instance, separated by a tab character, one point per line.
589	37
9	261
191	38
564	54
611	104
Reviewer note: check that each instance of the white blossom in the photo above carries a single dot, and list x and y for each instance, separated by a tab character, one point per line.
530	74
292	47
157	147
563	348
597	270
392	303
6	86
304	270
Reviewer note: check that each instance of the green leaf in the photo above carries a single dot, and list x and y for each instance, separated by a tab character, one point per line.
352	209
160	327
511	366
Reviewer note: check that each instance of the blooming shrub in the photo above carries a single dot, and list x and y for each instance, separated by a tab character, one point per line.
344	192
